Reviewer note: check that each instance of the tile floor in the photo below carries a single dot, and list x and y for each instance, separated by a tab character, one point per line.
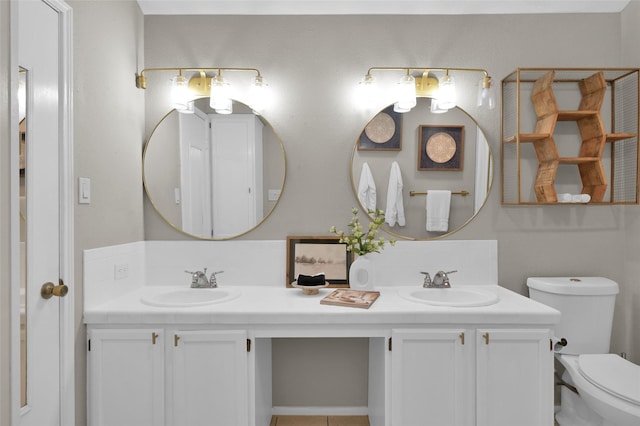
324	421
319	421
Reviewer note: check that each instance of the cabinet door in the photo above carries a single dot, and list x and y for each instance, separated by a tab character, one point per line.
207	374
514	378
431	381
125	378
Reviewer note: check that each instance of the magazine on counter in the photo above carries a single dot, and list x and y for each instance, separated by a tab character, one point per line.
351	298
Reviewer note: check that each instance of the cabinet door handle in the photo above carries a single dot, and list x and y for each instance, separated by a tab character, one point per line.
175	340
154	338
486	338
462	338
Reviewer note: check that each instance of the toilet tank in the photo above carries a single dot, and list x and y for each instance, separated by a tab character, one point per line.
586	305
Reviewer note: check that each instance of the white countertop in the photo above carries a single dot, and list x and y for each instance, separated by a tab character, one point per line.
280	306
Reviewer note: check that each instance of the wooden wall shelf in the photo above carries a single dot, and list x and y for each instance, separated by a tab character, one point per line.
602	151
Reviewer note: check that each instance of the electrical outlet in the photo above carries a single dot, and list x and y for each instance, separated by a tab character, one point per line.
273	194
121	271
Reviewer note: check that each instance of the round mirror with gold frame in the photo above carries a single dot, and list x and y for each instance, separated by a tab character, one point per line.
446	151
214	176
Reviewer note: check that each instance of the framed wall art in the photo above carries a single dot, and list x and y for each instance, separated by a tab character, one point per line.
441	147
383	132
314	255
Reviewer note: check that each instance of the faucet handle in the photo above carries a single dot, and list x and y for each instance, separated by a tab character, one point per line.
427	279
212	280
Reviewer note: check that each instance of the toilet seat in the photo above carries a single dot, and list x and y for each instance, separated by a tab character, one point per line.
612	374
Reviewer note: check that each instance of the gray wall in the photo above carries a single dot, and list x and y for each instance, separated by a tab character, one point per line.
314	62
108	135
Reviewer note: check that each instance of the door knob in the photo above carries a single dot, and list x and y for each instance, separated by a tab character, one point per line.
49	289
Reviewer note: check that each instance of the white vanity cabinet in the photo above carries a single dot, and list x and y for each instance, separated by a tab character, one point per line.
125	377
469	376
514	378
207	378
431	377
167	376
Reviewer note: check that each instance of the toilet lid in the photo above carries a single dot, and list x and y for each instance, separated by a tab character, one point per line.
612	374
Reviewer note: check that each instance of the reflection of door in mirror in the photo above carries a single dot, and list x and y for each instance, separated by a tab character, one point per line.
220	191
195	174
236	157
22	134
214	176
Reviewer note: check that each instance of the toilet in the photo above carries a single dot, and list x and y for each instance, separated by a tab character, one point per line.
608	386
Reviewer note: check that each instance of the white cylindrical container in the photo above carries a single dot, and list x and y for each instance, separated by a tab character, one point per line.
586	305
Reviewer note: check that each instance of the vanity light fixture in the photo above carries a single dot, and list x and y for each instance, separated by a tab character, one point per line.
447	93
184	90
486	95
442	92
406	93
220	99
180	95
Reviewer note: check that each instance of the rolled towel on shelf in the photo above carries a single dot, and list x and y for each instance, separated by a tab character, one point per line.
565	198
585	198
311	280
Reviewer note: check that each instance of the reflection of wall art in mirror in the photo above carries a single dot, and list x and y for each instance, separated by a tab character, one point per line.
383	132
314	255
441	147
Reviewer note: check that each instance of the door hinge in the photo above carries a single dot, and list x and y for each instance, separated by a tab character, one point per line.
248	345
390	344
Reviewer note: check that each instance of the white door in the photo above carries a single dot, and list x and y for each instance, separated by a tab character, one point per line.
514	378
41	394
195	174
236	165
431	381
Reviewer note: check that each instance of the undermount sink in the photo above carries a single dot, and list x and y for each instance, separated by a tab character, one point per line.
190	297
454	296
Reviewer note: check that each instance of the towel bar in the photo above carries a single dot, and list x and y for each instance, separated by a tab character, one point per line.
463	193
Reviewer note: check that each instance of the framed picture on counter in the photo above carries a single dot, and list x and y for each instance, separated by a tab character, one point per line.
315	255
441	147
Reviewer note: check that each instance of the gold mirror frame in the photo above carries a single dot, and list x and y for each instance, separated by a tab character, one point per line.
406	144
178	228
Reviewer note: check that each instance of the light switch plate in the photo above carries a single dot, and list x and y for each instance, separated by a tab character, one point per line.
84	190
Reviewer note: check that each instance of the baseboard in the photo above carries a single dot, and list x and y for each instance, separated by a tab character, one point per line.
320	411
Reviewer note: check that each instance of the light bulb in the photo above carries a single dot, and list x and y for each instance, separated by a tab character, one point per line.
447	92
486	94
180	94
435	107
367	91
259	94
220	99
189	109
398	108
224	107
406	92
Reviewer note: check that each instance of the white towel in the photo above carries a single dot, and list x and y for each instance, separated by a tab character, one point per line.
395	204
438	203
367	189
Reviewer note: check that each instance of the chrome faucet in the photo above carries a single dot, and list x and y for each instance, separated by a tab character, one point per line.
440	280
199	279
